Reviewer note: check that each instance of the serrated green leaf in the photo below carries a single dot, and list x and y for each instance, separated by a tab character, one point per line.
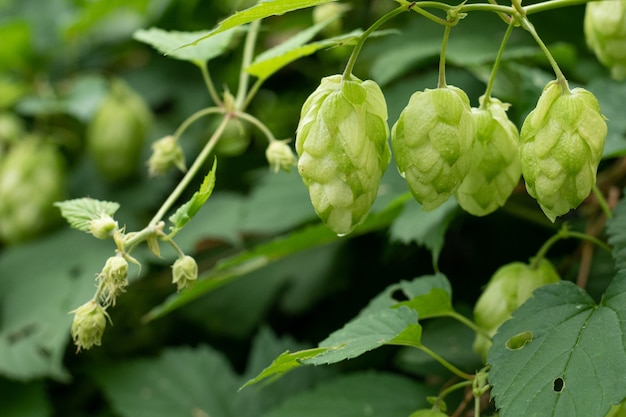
261	10
81	211
562	352
616	230
167	42
262	255
357	395
185	212
274	59
284	363
368	332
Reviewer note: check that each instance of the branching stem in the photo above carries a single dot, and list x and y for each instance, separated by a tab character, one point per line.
565	233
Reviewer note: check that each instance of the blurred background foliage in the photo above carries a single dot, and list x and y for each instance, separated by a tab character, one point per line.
57	61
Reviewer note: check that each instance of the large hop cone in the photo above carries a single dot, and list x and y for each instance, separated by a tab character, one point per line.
432	141
562	141
342	144
496	167
605	32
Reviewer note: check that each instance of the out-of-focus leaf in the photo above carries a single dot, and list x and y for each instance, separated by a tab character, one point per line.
357	395
616	230
167	42
185	212
23	400
611	95
261	10
81	211
561	352
40	283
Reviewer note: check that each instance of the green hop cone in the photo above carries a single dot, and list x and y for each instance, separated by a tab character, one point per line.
342	144
32	178
116	134
496	167
184	272
605	32
562	141
166	153
432	142
509	287
428	412
88	325
113	279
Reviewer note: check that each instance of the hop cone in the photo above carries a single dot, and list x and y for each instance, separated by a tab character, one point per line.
32	178
562	143
431	141
605	32
496	167
342	144
508	288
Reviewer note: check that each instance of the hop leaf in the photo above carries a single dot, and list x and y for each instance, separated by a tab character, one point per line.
496	167
605	32
342	144
432	140
508	288
562	141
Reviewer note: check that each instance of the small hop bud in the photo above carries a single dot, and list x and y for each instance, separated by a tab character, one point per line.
562	141
113	279
508	288
184	272
89	323
428	412
280	156
342	144
605	32
432	142
166	152
103	227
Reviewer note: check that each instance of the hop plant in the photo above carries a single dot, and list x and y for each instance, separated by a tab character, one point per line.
116	134
342	144
88	325
184	272
166	152
605	32
32	178
432	140
562	141
508	288
496	167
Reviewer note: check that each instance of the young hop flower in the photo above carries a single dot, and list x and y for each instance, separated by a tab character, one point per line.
103	227
184	272
496	167
605	32
89	323
280	156
508	288
562	141
166	153
432	142
342	144
113	279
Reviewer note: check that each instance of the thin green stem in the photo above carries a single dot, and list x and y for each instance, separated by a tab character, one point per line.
443	394
565	233
206	76
441	83
259	124
248	52
347	73
456	371
604	205
555	67
253	90
177	248
191	119
496	64
464	320
193	170
552	4
476	406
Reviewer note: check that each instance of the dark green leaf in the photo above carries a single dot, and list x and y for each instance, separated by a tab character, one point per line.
611	95
191	207
616	230
23	400
357	395
562	352
261	10
80	212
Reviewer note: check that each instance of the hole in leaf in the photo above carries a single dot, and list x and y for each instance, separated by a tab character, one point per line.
559	384
519	340
399	295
